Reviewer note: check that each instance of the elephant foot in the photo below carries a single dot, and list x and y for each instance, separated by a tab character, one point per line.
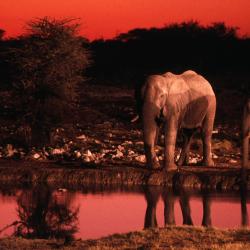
171	167
154	165
157	167
182	162
208	163
245	164
179	163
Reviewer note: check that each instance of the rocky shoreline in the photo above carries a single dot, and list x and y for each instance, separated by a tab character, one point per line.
78	174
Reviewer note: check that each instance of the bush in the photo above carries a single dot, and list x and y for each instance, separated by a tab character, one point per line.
47	65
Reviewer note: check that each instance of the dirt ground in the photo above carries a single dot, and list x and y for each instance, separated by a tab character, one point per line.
184	237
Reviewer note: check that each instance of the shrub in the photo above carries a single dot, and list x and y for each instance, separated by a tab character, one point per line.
47	67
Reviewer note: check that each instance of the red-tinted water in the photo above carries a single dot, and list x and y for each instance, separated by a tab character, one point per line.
90	215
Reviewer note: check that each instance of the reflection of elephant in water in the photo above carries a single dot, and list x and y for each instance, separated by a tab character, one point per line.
153	194
169	199
178	101
244	213
246	133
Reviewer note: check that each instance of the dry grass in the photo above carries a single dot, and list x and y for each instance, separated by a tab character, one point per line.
184	237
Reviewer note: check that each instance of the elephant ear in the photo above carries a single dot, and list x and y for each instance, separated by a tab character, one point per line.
139	97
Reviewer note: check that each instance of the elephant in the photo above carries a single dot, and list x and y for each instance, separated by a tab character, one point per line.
245	133
169	197
178	102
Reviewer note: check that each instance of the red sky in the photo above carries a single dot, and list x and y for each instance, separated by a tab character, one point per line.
107	18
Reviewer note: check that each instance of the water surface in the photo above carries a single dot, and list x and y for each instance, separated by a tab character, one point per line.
44	212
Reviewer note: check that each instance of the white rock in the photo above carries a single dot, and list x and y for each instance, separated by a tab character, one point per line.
86	159
215	156
140	158
77	154
88	152
36	156
161	158
131	152
10	150
81	137
127	143
120	148
193	160
63	190
118	154
232	161
57	151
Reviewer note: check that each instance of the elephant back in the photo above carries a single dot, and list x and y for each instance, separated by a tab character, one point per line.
197	83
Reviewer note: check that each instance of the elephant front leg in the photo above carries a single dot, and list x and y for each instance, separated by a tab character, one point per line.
168	198
150	134
152	196
170	140
151	158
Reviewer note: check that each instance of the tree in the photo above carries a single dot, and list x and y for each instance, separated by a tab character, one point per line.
2	32
48	65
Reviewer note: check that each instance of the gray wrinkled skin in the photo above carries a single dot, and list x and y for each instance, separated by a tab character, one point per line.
184	101
245	134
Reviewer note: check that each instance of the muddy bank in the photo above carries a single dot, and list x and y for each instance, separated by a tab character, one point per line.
184	237
77	174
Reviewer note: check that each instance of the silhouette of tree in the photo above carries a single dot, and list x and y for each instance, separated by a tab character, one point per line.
210	50
2	32
47	65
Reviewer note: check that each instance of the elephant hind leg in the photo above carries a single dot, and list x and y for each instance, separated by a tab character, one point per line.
245	151
207	129
245	137
188	134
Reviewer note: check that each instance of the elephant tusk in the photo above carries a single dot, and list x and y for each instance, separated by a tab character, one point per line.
135	118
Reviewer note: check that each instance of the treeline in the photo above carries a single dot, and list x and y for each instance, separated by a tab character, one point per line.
212	50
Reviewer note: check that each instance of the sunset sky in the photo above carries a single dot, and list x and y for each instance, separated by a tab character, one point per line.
107	18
